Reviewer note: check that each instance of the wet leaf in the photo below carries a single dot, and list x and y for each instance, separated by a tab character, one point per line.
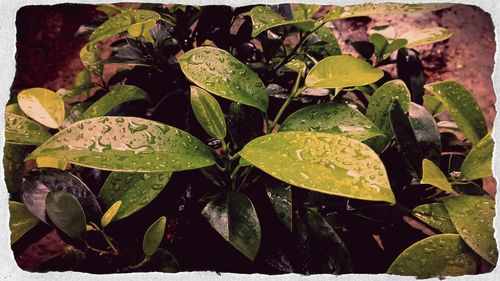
280	195
21	130
233	216
426	132
134	190
424	36
305	11
463	108
90	57
434	105
473	218
21	221
15	109
110	214
154	236
208	113
264	18
50	162
43	106
321	162
119	23
296	65
141	28
434	176
13	165
244	123
126	144
116	96
331	118
478	163
436	216
221	74
436	256
66	213
342	71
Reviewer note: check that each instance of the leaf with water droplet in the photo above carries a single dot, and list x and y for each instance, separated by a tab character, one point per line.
436	256
333	118
66	213
15	109
134	190
473	218
434	105
208	113
21	130
433	175
426	132
462	107
233	216
342	71
154	236
264	18
13	165
43	106
141	29
436	216
90	57
221	74
418	37
478	162
126	144
116	96
280	195
305	11
321	162
110	214
20	222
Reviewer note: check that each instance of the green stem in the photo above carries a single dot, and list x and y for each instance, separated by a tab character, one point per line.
144	261
233	174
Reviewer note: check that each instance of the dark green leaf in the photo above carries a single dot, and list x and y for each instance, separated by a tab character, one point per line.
473	218
379	42
426	131
364	48
43	106
154	236
478	162
264	18
244	123
15	109
126	144
21	221
66	213
434	176
21	130
280	195
135	190
13	165
233	216
208	113
161	261
436	216
218	72
321	162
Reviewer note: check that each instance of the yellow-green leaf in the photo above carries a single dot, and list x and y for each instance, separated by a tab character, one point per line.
50	162
21	221
43	106
321	162
141	28
436	216
434	176
208	113
21	130
424	36
434	105
264	18
110	213
478	162
154	236
90	57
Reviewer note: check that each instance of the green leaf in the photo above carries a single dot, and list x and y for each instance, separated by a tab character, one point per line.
141	28
110	213
434	176
381	9
424	36
463	108
379	106
15	109
342	71
280	195
436	256
120	23
118	95
153	236
321	162
297	66
21	221
126	144
50	162
331	118
161	261
90	57
109	9
264	18
434	105
305	11
395	45
208	113
379	42
473	218
233	216
331	47
436	216
13	165
426	132
66	213
134	190
21	130
43	106
221	74
478	162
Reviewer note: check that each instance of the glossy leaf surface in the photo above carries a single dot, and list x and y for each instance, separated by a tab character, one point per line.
424	36
433	175
321	162
126	144
436	216
13	165
208	113
221	74
342	71
134	190
264	18
154	236
434	105
118	95
463	108
90	57
478	163
436	256
110	214
426	132
21	130
43	106
21	221
473	218
331	118
234	217
66	213
50	162
280	195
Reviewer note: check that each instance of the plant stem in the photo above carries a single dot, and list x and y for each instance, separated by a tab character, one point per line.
295	91
106	237
144	261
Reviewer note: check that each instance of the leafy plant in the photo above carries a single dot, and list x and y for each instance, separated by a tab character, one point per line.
238	151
